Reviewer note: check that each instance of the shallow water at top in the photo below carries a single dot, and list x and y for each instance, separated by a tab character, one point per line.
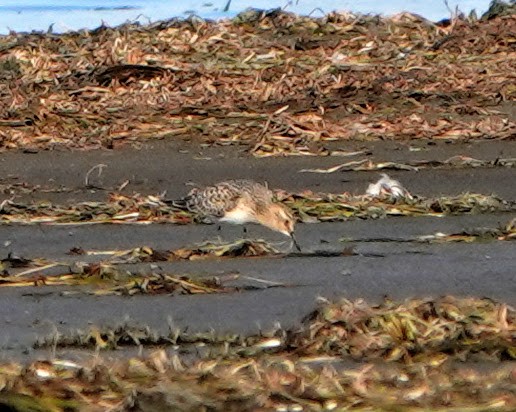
66	15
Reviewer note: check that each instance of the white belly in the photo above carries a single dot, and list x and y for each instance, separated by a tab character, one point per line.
238	216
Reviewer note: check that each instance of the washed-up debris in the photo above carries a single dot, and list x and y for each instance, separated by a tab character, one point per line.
415	165
103	279
162	382
482	234
128	334
339	207
11	263
464	161
158	284
281	84
15	262
474	235
10	188
118	209
498	8
99	167
413	348
415	331
238	248
361	165
388	187
106	277
138	209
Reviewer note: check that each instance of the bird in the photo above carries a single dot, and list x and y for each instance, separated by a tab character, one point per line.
240	201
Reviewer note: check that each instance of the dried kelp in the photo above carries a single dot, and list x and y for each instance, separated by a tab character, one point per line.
169	284
472	235
479	234
307	205
166	284
162	382
415	331
296	369
130	334
12	262
103	279
336	207
106	278
238	248
279	83
118	209
415	165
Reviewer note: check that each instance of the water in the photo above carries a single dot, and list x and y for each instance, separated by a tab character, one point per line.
65	15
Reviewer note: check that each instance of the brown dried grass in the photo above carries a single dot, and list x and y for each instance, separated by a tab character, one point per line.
297	370
279	83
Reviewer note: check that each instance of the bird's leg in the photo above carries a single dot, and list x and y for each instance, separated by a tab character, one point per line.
294	241
219	231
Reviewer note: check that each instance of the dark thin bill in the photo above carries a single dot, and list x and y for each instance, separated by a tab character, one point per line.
295	242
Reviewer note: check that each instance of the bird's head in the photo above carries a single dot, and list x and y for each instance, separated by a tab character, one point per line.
280	218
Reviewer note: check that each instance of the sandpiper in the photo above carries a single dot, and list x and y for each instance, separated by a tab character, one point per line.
239	202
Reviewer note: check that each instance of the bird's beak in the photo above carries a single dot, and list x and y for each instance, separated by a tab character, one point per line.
295	242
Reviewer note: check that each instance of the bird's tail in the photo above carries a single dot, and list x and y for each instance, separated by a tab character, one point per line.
181	204
185	203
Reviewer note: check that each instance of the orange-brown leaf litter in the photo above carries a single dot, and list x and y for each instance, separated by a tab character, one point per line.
277	83
293	371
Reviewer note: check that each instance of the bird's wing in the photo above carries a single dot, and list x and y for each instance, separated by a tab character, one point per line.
213	201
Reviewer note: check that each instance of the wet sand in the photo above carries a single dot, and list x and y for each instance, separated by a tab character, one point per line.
387	263
162	166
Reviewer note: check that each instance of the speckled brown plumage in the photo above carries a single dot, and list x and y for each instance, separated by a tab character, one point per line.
218	199
240	202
